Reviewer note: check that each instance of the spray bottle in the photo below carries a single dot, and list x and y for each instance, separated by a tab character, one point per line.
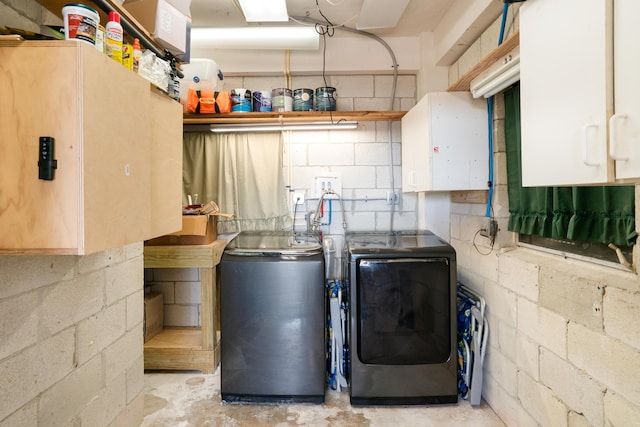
137	53
114	37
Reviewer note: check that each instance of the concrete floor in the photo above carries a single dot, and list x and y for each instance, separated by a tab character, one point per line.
181	399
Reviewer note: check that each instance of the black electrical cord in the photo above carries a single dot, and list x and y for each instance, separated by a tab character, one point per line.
325	30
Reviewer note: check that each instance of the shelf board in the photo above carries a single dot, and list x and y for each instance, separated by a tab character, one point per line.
463	83
292	117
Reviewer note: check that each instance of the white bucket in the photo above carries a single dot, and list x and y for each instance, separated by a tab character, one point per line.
80	23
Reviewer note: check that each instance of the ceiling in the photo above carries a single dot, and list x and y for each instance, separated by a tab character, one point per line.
419	16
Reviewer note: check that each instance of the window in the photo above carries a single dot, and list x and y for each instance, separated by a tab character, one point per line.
579	220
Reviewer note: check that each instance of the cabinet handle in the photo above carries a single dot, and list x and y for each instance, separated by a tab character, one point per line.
585	146
613	136
412	181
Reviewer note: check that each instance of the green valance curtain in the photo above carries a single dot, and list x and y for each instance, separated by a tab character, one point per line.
604	214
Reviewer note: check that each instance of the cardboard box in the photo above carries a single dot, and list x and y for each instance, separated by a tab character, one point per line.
196	230
153	315
164	21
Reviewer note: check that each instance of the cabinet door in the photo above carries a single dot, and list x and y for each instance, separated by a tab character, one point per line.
116	173
445	143
416	130
566	88
40	97
166	165
624	126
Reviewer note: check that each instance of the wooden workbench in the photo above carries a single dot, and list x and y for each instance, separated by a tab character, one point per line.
188	348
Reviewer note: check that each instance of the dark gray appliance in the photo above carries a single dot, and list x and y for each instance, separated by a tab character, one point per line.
272	319
403	323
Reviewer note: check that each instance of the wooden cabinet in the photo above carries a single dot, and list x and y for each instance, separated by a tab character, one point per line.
445	143
100	115
579	92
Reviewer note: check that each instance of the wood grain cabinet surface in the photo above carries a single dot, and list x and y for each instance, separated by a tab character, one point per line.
109	149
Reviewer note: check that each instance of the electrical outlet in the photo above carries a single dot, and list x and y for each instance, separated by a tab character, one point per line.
393	198
297	198
490	230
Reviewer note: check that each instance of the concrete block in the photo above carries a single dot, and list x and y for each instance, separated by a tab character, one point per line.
383	180
345	104
361	221
37	368
505	405
124	279
358	86
267	83
400	222
357	177
100	260
540	402
176	274
375	104
28	414
572	386
407	103
107	404
135	379
135	309
298	154
68	302
609	361
543	326
122	354
618	411
502	303
19	324
507	338
372	154
21	274
132	415
578	420
97	332
167	289
339	154
527	356
485	266
405	86
62	402
181	315
382	135
187	292
503	369
470	58
621	320
574	298
520	276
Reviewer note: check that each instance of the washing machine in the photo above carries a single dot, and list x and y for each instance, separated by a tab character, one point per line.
402	319
272	319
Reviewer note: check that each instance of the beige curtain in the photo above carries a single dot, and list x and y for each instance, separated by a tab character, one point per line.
242	173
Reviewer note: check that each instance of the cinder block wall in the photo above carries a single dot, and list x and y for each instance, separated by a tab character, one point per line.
361	158
71	350
564	346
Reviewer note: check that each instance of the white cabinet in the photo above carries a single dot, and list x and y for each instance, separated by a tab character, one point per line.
445	143
579	92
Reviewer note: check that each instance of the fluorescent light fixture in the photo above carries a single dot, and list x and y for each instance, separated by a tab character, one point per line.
502	74
264	10
278	127
380	13
291	38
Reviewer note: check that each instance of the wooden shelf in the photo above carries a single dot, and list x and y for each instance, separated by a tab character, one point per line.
188	348
462	84
291	117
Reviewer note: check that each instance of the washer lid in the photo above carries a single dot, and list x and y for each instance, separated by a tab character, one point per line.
273	243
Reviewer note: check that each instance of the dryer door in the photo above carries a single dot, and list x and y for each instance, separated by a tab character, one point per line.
404	311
